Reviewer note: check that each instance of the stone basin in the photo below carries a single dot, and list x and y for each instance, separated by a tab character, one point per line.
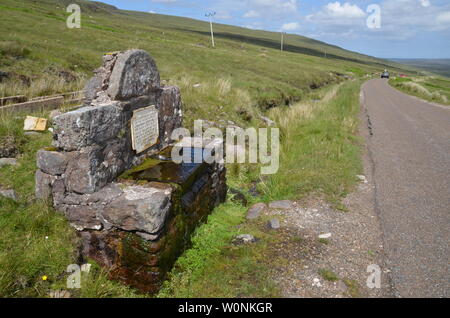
162	169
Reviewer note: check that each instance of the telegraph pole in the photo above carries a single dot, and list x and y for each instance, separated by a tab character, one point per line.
210	16
282	41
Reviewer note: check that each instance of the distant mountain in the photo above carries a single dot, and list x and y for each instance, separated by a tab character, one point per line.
438	66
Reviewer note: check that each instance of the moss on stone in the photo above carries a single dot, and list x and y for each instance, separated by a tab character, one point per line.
50	149
147	164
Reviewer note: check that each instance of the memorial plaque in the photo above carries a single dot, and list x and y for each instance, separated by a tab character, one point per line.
144	128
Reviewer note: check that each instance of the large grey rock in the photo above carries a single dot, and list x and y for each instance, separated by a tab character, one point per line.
94	167
44	184
255	211
281	205
52	162
103	197
140	209
55	113
8	162
87	126
10	194
83	217
79	176
169	108
134	74
93	86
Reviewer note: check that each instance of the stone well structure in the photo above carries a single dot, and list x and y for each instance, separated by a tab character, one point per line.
110	172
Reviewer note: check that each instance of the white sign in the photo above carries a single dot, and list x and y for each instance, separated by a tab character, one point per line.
144	128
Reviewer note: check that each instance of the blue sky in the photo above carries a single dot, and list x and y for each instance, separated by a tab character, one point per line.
408	29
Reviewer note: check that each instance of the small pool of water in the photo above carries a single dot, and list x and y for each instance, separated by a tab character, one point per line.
161	168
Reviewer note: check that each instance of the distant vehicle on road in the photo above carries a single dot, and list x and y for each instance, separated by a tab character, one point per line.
385	74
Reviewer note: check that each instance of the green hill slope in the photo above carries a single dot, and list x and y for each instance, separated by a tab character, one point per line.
46	57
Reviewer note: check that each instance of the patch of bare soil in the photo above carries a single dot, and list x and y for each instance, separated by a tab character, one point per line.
325	252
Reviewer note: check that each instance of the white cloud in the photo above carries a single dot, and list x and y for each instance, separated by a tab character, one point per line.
273	9
290	26
347	10
443	18
336	14
425	3
223	15
251	14
400	19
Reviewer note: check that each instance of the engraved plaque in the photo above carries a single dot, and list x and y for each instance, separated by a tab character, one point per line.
144	128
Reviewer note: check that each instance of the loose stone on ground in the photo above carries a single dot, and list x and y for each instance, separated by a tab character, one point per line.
10	194
255	211
281	205
244	239
274	224
8	162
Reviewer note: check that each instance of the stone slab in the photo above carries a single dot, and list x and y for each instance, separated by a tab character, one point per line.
87	126
35	124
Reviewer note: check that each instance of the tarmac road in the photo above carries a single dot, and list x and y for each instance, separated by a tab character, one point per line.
409	148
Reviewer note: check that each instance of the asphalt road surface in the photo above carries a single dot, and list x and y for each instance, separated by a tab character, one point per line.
410	152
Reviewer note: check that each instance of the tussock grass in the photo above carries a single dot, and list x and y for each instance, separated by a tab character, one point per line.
214	267
429	88
47	84
320	149
216	101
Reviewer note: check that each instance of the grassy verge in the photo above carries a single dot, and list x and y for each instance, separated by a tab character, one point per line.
320	149
430	88
214	267
321	154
